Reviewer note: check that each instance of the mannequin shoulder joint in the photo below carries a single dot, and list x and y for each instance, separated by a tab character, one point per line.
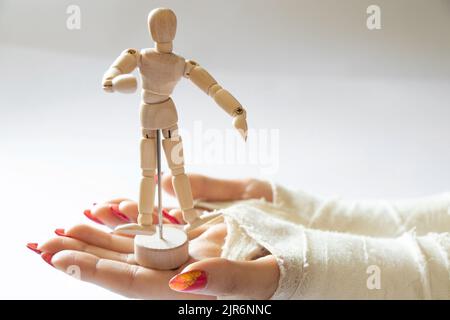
189	65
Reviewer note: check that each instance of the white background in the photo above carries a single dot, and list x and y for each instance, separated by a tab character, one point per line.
360	113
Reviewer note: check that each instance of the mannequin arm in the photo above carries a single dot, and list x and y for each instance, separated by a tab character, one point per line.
125	63
202	79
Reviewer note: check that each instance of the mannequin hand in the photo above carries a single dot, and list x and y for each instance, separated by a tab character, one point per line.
240	123
107	85
107	259
124	83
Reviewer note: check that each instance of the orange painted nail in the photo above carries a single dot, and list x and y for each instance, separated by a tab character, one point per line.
189	281
48	258
33	247
90	216
60	232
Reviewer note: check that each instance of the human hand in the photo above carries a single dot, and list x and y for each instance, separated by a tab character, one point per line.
107	259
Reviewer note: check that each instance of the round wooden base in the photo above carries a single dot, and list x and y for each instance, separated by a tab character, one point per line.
163	254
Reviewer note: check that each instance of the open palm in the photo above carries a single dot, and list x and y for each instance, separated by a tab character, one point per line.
108	260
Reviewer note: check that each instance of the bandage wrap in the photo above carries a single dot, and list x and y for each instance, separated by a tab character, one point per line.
335	249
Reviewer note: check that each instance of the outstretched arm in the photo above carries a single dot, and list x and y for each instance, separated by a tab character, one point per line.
202	79
124	64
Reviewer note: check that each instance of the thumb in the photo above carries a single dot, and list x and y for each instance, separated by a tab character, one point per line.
256	279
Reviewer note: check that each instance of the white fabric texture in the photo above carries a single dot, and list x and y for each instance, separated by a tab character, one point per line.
328	248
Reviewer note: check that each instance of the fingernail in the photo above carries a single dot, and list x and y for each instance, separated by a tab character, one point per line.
89	215
116	212
189	281
48	258
33	247
172	219
60	232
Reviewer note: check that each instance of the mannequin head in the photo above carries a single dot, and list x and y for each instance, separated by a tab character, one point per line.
162	24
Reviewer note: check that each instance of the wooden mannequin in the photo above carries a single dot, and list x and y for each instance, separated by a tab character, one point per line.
160	70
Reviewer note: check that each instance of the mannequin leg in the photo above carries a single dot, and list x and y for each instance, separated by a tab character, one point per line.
173	149
144	223
147	187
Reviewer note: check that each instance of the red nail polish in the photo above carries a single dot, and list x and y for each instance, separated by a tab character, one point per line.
189	281
48	258
33	246
116	212
172	219
89	215
60	232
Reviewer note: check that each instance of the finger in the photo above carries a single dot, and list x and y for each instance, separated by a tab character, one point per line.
116	213
210	243
113	203
102	214
56	245
212	189
177	215
197	232
256	279
99	238
208	188
129	280
194	233
127	211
